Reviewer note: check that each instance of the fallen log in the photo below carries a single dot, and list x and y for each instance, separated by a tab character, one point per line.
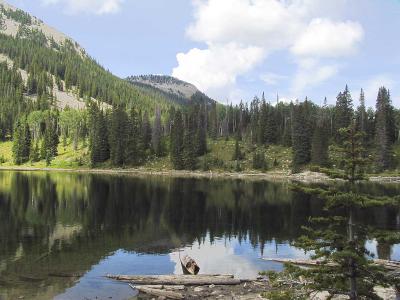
165	287
391	265
157	292
178	279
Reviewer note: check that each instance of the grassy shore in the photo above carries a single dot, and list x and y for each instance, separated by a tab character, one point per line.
219	158
219	164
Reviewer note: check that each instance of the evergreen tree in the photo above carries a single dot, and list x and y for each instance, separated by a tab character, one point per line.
26	143
134	153
343	111
361	116
301	135
237	154
271	128
35	154
22	143
338	242
146	131
18	144
118	136
156	140
362	119
189	149
98	135
102	143
262	123
384	130
213	123
176	141
50	140
201	133
259	161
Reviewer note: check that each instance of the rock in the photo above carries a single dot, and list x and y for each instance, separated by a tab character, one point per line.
319	295
198	289
211	286
385	293
325	295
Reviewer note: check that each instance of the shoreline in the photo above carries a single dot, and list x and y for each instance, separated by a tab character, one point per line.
306	176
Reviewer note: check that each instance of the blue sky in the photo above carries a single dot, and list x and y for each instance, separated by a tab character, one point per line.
234	49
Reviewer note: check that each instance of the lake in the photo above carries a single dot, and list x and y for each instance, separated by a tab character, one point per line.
60	233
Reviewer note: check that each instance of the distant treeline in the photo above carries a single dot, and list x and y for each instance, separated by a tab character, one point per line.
129	137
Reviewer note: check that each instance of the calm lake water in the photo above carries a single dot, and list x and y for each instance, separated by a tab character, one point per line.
58	224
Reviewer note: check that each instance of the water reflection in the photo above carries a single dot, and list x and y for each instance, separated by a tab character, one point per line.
63	224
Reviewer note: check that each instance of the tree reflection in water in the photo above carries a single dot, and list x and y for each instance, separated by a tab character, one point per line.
66	223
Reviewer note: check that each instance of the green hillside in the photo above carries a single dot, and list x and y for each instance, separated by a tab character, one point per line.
38	70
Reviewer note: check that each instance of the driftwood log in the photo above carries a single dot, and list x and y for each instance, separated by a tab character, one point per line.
178	279
388	264
164	287
150	290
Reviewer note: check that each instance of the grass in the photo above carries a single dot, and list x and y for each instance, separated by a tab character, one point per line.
6	153
221	152
67	158
218	158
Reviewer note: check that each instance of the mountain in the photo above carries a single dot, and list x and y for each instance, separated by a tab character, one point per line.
45	68
13	18
172	88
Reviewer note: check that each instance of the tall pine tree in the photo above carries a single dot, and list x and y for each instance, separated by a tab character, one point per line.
384	130
176	141
343	111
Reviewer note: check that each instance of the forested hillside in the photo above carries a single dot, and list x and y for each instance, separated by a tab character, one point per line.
41	70
59	105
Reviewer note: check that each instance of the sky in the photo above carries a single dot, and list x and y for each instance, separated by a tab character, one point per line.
235	49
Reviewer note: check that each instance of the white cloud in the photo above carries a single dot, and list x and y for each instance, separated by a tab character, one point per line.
216	66
325	38
260	27
99	7
248	22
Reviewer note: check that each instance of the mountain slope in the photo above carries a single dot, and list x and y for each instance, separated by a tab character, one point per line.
13	18
55	67
174	89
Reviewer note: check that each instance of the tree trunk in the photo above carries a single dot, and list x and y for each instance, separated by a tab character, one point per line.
352	266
